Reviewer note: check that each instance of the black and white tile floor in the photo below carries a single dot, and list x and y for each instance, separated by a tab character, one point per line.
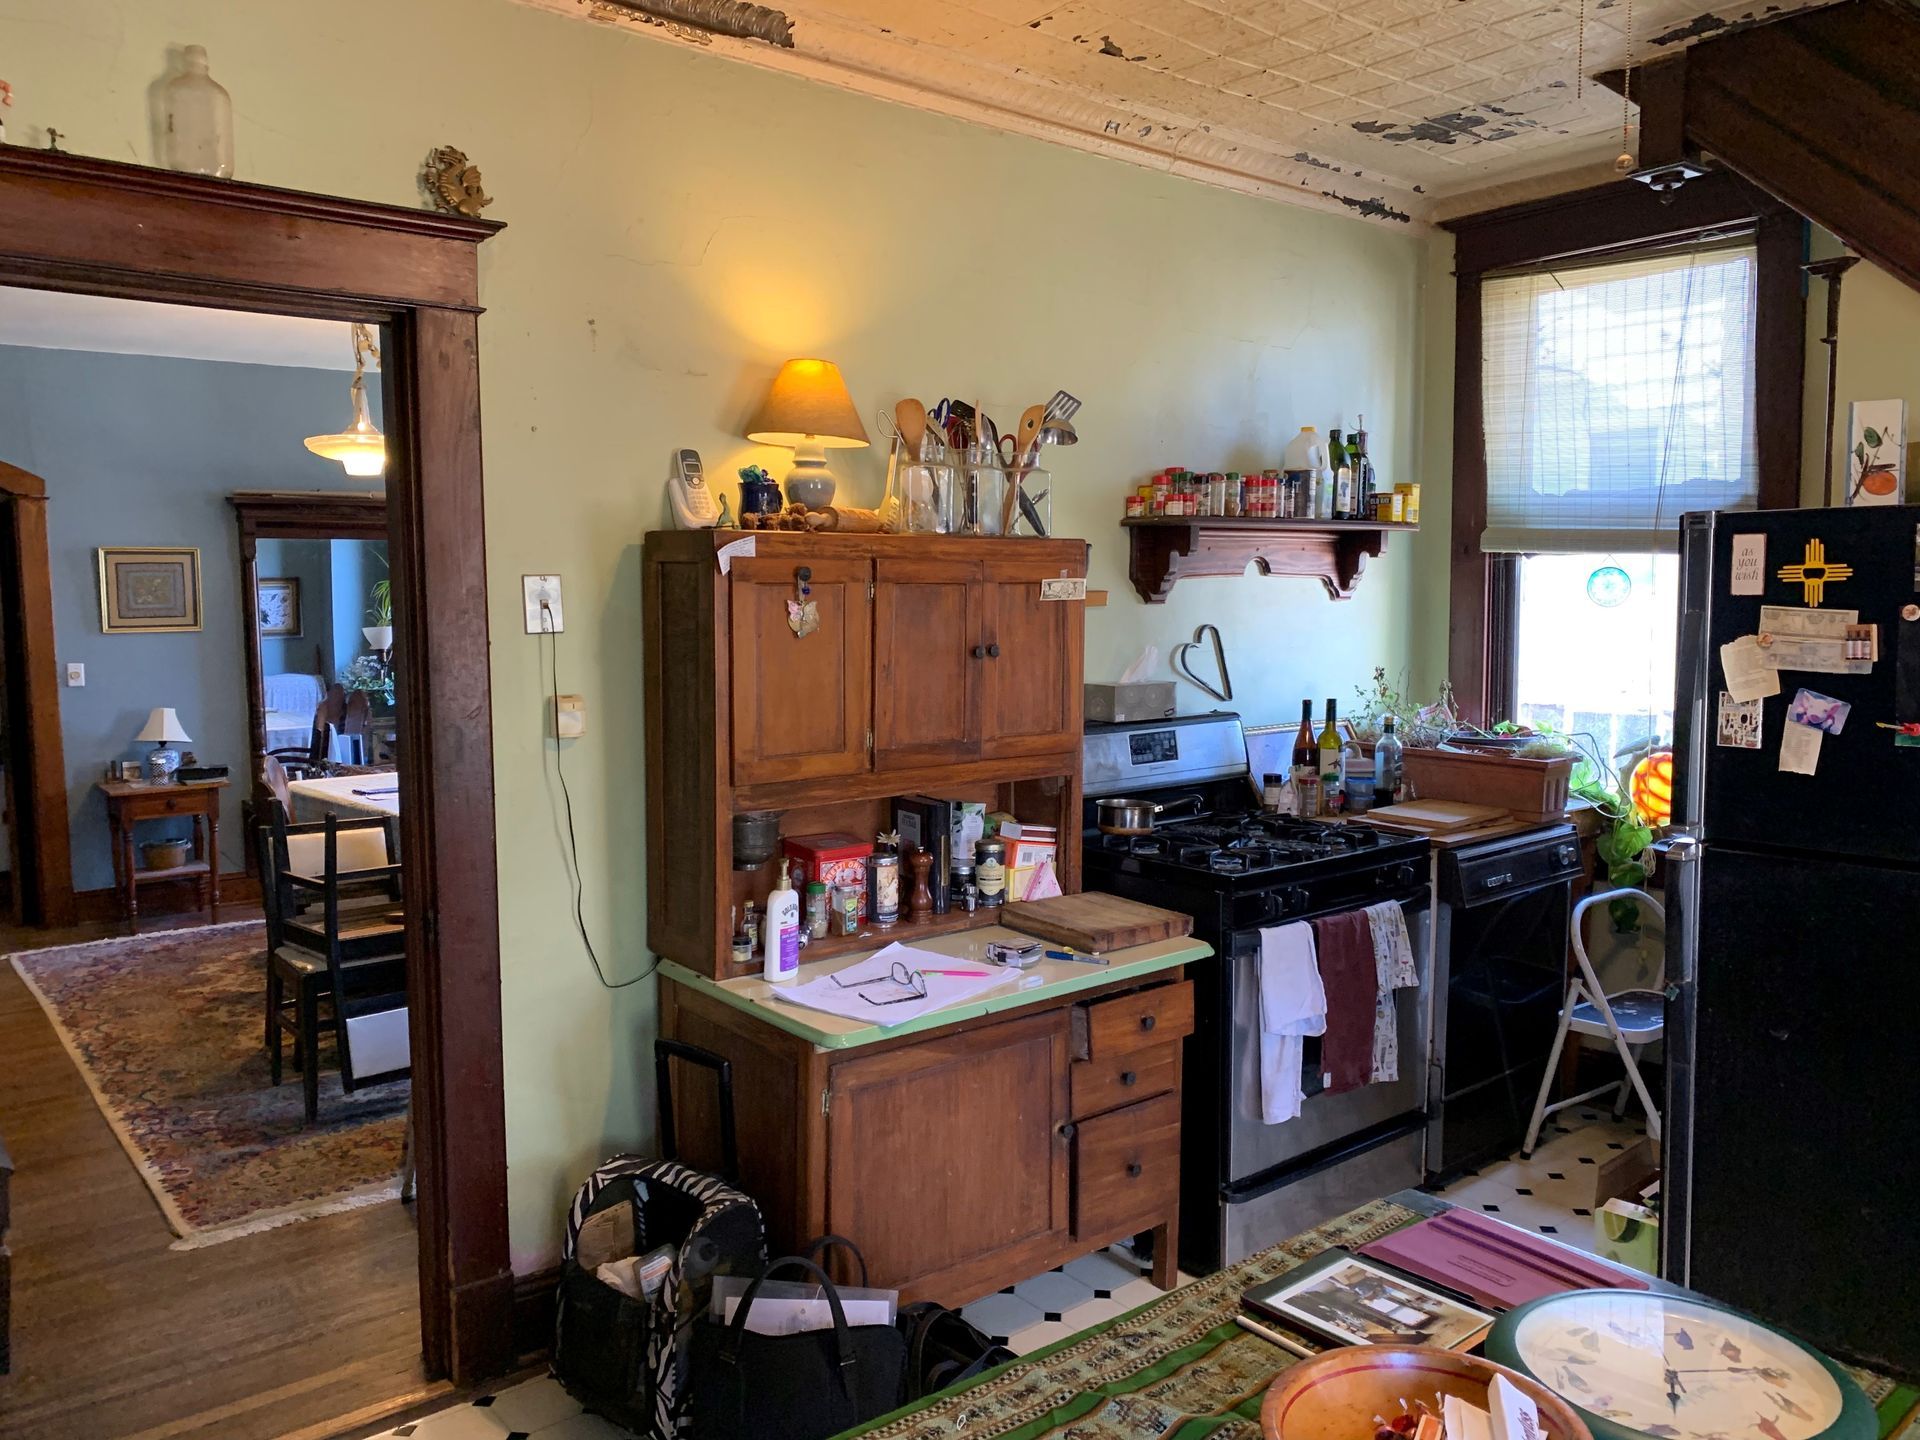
1553	1192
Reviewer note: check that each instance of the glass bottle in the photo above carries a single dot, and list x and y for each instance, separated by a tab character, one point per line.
1330	756
1389	764
198	119
1306	766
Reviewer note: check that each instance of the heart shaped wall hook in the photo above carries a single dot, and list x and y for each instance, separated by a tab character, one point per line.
1222	691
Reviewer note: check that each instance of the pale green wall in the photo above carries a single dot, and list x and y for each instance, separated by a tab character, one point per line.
1879	360
678	225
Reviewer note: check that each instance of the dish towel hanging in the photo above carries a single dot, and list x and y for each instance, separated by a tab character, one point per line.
1293	1005
1393	966
1344	945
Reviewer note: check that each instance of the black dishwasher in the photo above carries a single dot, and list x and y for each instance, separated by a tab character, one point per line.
1500	972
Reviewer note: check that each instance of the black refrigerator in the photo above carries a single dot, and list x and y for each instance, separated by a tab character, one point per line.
1792	1137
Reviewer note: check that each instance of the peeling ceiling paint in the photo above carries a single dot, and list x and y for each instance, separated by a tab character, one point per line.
1433	101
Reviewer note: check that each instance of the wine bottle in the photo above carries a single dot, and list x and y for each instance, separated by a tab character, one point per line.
1389	765
1306	766
1330	757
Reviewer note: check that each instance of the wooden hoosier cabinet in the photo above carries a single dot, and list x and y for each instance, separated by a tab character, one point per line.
981	1143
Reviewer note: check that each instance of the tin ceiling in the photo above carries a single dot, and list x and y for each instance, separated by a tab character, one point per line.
1395	110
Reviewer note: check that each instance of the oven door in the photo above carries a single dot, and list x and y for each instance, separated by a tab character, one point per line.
1253	1146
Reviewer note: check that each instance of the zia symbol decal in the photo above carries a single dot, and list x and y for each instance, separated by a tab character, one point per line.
1815	572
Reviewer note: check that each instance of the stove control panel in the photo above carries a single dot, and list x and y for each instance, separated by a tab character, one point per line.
1152	754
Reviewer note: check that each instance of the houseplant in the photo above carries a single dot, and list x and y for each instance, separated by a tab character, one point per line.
380	633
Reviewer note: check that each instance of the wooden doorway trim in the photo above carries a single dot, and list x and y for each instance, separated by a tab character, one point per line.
288	515
44	894
104	228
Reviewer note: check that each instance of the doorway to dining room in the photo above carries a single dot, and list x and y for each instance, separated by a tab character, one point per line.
234	1082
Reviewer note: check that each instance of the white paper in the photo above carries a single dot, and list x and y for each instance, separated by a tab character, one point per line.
1515	1417
843	994
1749	676
379	1041
1794	620
1464	1420
1142	667
1799	749
733	550
1749	565
1813	640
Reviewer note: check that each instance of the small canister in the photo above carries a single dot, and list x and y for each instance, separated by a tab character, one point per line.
848	902
1273	789
990	871
816	909
962	876
884	884
1136	507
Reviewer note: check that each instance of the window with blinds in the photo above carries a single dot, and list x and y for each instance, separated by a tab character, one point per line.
1618	397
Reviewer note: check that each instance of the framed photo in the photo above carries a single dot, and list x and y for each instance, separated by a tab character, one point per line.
280	608
1341	1297
1877	452
149	588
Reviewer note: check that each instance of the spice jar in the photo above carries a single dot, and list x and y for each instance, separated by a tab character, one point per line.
884	884
817	909
848	902
990	871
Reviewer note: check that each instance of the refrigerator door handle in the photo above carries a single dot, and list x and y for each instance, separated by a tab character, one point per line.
1682	854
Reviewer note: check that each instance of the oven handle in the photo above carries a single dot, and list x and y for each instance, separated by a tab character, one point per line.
1278	910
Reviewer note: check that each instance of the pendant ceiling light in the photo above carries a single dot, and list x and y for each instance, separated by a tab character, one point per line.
360	448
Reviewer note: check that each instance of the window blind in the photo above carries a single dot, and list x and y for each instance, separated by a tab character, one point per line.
1618	397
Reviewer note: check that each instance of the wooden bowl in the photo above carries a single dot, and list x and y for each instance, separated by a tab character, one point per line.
1336	1395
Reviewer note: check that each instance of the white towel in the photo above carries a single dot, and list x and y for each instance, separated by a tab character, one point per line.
1394	967
1293	1005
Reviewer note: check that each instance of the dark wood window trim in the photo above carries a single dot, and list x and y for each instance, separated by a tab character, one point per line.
1621	217
104	228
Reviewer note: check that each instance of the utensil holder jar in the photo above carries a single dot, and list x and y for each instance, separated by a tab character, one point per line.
986	491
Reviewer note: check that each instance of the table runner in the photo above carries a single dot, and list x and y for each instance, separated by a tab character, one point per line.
1180	1368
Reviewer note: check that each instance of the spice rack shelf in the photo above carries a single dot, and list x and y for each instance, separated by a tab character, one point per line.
1166	550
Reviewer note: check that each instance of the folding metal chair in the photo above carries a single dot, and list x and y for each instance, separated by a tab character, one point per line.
1632	1019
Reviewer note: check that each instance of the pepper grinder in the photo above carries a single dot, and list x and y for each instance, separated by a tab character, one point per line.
920	902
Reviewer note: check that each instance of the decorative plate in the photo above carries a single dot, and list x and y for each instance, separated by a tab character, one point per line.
1637	1364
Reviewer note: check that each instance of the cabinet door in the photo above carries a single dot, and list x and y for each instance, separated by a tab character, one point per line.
1032	697
928	656
802	704
947	1160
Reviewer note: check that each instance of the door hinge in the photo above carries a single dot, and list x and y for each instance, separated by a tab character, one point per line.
870	589
869	737
826	1100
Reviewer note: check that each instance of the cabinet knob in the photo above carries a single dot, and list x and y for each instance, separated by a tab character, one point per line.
1133	1170
805	574
1146	1022
1127	1077
994	650
1068	1130
979	652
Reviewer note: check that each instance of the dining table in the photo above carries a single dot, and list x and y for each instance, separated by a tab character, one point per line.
348	796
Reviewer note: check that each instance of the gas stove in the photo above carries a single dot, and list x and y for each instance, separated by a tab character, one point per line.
1254	844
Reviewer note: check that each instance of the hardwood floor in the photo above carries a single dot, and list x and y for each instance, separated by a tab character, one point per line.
116	1337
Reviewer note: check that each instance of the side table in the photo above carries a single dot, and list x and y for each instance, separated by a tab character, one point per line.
129	802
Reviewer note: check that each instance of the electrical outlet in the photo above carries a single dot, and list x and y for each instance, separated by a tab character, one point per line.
570	717
76	674
542	594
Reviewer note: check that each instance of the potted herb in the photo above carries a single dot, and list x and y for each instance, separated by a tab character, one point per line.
1622	839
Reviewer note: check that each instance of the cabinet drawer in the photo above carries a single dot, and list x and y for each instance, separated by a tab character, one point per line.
1136	1021
1126	1168
1123	1079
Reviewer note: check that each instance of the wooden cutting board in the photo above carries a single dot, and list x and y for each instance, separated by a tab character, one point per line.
1437	816
1096	923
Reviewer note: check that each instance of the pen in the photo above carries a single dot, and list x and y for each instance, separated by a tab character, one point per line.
1274	1337
1077	959
962	974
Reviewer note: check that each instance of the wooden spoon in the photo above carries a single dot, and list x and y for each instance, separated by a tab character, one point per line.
911	416
1027	440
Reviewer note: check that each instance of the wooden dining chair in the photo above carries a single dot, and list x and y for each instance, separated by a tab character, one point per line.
333	901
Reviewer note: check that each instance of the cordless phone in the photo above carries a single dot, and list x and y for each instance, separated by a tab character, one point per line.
693	503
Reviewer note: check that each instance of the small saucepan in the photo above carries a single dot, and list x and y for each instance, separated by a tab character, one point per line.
1123	815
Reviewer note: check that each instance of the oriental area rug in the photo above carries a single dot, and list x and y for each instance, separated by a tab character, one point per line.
167	1030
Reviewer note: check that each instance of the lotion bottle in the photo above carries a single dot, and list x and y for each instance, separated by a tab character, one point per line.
780	931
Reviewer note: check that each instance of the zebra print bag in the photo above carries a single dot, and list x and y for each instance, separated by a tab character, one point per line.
624	1358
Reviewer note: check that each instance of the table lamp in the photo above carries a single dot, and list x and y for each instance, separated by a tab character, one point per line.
163	728
808	408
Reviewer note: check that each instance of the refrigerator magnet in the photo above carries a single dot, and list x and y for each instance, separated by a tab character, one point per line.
1814	571
1799	748
1822	712
1739	726
1749	576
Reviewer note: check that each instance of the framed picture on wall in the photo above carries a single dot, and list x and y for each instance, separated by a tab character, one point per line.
1877	452
154	588
280	608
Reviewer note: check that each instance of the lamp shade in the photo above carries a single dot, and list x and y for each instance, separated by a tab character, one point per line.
163	727
360	448
808	404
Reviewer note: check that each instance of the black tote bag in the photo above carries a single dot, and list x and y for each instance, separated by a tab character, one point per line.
743	1386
